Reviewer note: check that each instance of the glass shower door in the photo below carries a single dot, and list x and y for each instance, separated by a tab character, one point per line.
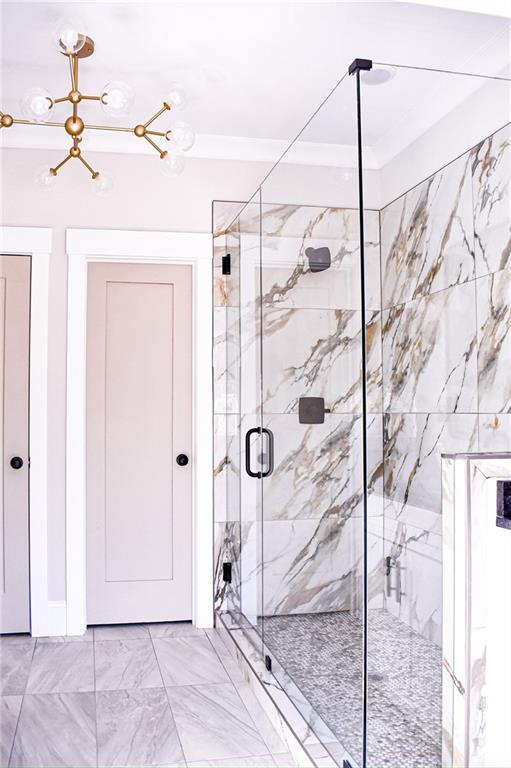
312	504
251	439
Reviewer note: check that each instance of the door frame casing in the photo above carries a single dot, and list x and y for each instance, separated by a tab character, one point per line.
144	247
47	617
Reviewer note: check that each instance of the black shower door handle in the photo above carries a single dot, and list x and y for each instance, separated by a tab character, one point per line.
253	431
248	447
271	451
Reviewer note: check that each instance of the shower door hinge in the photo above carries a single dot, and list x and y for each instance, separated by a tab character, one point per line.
226	264
267	663
346	764
227	572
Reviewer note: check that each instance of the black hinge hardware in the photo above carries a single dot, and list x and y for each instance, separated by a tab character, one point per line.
267	663
346	764
227	572
226	264
359	64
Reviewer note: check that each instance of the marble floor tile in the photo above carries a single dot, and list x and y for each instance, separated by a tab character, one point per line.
124	664
14	667
237	762
174	629
271	738
61	668
189	661
56	730
136	728
213	723
9	712
121	632
231	666
19	639
285	760
87	637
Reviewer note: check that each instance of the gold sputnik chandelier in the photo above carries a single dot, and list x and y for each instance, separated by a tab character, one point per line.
115	99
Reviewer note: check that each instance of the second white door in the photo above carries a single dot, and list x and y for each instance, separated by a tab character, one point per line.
139	440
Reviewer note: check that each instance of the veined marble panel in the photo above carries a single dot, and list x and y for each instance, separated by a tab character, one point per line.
429	353
400	535
312	565
420	582
227	549
317	352
311	352
495	432
318	467
286	277
227	470
491	171
427	238
226	359
225	215
413	444
494	341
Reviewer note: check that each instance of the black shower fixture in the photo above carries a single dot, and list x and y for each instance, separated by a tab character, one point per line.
319	258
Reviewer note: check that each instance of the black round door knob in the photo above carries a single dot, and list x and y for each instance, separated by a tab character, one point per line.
16	462
182	459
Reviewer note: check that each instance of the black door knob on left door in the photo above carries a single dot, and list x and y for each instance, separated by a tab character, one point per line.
182	459
16	462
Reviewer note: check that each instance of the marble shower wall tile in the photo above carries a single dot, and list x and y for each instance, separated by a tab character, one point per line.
311	352
226	469
316	469
429	353
317	352
226	548
495	432
413	444
494	341
420	581
491	180
427	236
226	359
225	212
312	565
286	277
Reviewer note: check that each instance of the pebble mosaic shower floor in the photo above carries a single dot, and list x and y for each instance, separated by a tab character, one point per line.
323	654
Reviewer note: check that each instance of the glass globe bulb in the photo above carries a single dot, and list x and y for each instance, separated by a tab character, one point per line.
117	98
172	165
37	104
176	97
181	136
68	37
45	181
102	184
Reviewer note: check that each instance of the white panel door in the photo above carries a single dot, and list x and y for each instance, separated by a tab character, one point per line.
14	399
139	420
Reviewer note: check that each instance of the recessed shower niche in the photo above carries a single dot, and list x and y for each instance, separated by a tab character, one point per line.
354	343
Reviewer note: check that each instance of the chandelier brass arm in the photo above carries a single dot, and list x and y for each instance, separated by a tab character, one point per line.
74	124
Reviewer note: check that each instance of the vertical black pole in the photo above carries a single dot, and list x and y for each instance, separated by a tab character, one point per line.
364	416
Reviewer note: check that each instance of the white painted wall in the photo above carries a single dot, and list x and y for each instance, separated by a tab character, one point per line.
142	199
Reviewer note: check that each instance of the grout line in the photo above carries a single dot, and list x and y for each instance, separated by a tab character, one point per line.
21	706
235	685
95	698
169	704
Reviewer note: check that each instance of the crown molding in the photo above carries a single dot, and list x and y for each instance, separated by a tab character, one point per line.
207	146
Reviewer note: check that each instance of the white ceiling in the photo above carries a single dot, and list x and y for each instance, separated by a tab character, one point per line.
254	72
